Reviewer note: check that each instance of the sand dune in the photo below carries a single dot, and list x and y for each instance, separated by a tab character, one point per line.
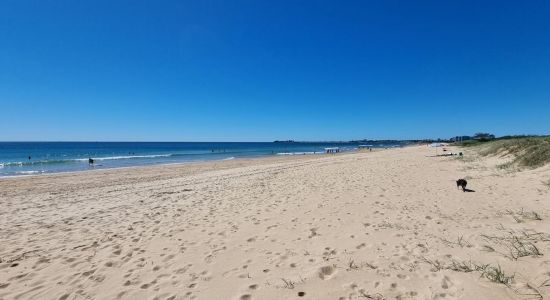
383	225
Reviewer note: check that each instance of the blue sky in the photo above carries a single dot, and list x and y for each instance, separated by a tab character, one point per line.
264	70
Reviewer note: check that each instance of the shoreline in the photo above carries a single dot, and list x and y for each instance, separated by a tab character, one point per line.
48	158
183	163
137	166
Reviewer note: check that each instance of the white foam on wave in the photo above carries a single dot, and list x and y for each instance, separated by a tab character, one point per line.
28	172
54	161
9	164
299	153
124	157
229	158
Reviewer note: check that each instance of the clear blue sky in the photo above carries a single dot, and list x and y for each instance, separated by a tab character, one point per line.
263	70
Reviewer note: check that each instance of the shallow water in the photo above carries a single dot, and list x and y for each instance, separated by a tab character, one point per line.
26	158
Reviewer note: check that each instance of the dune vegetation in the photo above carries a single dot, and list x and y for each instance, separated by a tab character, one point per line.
526	151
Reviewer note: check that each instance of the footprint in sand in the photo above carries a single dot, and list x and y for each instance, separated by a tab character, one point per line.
446	282
88	273
402	276
326	272
313	232
209	258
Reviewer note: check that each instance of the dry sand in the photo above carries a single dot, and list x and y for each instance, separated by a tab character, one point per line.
380	225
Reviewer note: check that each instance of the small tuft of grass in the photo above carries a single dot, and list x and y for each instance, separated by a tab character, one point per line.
520	248
521	215
460	241
288	284
365	294
464	266
436	264
492	273
515	244
497	275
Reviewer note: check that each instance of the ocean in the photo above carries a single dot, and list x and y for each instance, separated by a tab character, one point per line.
31	158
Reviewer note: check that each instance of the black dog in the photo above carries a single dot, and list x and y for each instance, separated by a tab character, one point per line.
461	183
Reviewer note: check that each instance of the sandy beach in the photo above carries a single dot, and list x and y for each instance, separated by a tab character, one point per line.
388	224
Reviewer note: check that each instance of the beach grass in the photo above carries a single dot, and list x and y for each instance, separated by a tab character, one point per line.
497	275
515	245
525	151
470	143
521	215
492	273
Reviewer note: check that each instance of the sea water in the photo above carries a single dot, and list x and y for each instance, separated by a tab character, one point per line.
28	158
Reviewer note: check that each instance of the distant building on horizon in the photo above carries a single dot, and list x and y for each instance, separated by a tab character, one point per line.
460	138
